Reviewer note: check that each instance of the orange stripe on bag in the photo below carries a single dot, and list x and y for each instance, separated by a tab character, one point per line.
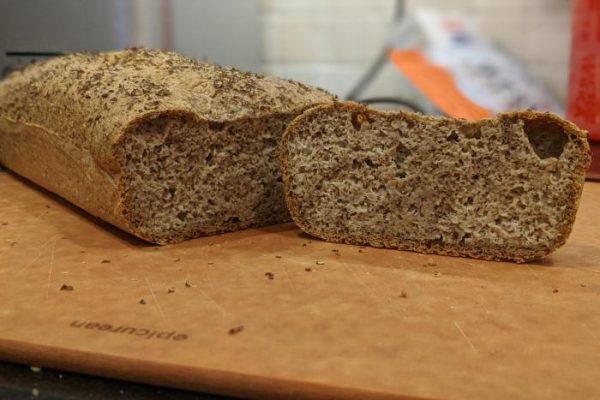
437	84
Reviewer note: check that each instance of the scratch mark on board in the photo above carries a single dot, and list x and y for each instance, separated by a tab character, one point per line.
51	266
160	310
43	248
33	220
287	279
590	330
205	279
367	289
535	274
209	297
465	336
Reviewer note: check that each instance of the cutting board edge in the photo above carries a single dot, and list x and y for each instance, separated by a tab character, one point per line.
213	381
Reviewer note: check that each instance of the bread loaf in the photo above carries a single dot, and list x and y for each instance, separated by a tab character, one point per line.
505	188
161	146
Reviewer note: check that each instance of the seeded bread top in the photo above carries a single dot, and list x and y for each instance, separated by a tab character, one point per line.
102	93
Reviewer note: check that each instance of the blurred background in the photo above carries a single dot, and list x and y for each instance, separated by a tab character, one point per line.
328	43
463	58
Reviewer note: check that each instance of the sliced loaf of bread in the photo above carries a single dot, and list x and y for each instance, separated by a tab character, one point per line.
162	146
506	188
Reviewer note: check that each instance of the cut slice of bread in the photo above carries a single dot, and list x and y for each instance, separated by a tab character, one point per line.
499	189
164	147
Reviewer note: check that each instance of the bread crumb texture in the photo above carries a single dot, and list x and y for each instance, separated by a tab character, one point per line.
506	188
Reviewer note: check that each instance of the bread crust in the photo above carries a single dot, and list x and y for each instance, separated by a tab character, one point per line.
62	120
486	251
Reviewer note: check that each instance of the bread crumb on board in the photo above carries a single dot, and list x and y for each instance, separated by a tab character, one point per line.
236	330
171	290
319	262
270	275
308	269
66	287
430	262
403	294
554	290
105	261
189	284
142	301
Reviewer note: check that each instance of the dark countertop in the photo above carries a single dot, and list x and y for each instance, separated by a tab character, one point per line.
21	382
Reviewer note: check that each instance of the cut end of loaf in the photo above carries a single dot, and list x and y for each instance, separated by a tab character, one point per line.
182	178
501	189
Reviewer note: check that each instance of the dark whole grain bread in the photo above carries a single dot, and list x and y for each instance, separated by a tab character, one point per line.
161	146
506	188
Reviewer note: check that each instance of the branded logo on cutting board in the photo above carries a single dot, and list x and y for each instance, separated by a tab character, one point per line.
141	333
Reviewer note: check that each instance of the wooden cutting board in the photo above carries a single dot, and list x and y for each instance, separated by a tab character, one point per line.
273	313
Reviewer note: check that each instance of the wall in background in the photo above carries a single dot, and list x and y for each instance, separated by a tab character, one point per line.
329	43
224	32
63	25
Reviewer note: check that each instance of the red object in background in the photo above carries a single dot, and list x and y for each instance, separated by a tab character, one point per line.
583	105
584	83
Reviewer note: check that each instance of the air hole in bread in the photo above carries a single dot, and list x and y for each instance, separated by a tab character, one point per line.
356	123
465	237
401	153
216	126
547	138
453	137
358	119
517	191
414	210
